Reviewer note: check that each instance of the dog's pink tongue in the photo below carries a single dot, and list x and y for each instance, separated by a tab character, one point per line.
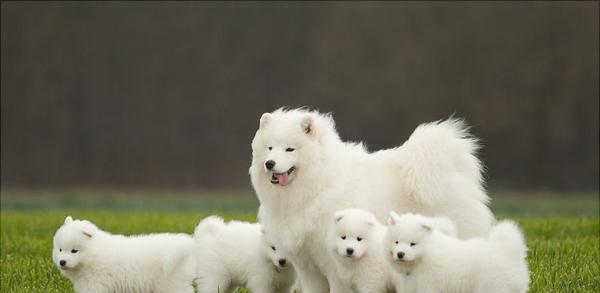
283	179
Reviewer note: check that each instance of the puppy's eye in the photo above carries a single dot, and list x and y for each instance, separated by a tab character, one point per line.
412	244
270	148
396	242
290	149
273	248
344	237
74	250
60	249
358	239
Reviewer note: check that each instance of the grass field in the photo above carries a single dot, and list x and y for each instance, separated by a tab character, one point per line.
562	230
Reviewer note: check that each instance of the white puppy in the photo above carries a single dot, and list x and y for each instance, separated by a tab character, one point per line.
99	262
303	172
355	243
428	261
238	254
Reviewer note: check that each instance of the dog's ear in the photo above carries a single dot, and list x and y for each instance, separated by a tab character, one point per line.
393	219
426	227
338	216
264	119
444	225
68	219
89	229
308	125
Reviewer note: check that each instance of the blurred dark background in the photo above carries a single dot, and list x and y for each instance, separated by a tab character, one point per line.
168	94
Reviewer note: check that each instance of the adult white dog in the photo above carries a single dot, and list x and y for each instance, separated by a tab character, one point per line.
303	172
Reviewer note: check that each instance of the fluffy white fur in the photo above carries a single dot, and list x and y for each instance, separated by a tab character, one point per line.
427	260
99	262
237	254
355	243
315	173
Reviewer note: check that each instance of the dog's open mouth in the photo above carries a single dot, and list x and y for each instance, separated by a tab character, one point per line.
282	178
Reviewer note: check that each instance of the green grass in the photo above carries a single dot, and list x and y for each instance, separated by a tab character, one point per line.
562	230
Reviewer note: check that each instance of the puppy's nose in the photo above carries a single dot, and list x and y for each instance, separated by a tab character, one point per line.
400	255
270	164
282	262
349	251
62	263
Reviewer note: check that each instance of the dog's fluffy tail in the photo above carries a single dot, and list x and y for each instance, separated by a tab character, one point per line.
208	227
439	155
507	236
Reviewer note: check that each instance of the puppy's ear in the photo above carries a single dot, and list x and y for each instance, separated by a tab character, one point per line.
393	219
264	119
68	219
444	225
338	216
308	125
426	227
89	229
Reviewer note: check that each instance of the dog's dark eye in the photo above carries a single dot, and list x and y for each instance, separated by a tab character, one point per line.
412	244
358	239
290	149
396	242
60	249
273	247
270	148
74	250
343	237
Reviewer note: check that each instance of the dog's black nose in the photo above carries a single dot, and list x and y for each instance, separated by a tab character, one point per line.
400	255
282	262
62	263
349	251
270	164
